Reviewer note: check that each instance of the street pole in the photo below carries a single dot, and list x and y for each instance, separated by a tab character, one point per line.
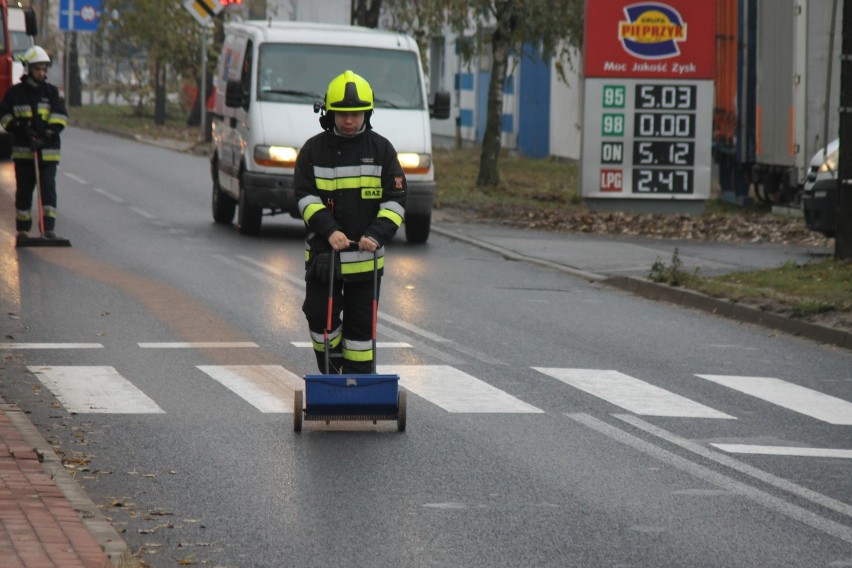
66	80
202	91
843	232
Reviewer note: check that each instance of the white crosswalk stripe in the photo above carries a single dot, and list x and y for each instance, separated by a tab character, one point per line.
791	396
269	388
632	394
95	390
454	390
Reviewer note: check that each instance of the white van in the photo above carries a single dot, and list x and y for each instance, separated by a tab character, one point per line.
19	38
270	76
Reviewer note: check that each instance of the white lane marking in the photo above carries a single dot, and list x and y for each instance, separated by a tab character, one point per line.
297	281
736	465
784	451
269	388
51	346
380	344
197	345
300	283
454	390
108	195
793	397
632	394
78	179
142	212
767	500
100	390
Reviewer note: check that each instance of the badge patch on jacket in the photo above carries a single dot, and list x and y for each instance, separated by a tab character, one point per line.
371	193
397	182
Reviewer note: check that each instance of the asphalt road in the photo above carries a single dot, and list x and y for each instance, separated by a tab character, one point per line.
552	421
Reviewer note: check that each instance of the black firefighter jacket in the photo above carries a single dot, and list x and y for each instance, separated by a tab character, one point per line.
354	185
34	109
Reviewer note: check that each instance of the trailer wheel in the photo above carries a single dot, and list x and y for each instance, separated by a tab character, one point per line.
400	411
297	411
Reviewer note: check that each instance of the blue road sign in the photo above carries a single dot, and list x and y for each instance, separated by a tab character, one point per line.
79	15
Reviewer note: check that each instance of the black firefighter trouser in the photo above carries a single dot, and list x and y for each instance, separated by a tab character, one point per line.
353	308
25	180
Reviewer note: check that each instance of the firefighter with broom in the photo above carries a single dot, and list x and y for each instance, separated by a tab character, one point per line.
34	113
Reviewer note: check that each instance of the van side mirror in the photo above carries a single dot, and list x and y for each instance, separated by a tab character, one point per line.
234	95
30	22
440	107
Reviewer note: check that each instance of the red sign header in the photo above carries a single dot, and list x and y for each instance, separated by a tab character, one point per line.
674	39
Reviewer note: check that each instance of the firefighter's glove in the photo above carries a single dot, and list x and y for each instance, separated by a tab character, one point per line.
36	142
319	267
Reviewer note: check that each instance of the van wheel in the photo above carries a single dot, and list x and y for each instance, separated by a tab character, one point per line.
417	228
224	207
249	217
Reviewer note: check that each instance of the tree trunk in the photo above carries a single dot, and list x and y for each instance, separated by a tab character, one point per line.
489	173
843	231
75	88
366	13
159	93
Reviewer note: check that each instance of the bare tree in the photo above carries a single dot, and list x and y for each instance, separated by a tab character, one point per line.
548	28
366	13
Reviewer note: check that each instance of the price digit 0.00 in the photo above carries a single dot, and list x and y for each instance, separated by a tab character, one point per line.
664	125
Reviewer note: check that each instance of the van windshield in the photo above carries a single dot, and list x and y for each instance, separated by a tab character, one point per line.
301	73
20	42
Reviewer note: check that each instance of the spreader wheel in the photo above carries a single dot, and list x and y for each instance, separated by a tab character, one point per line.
297	411
400	411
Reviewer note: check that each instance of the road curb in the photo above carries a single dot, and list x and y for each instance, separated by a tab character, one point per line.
675	295
731	310
100	528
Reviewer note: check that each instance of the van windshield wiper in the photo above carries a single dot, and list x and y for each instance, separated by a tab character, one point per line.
308	94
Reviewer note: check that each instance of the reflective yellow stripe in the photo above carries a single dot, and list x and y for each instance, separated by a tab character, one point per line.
392	215
352	355
362	266
348	183
311	210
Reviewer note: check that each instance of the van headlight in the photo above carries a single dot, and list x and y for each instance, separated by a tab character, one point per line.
275	156
414	163
830	163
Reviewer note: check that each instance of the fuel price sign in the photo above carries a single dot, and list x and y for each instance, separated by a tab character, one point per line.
647	138
648	100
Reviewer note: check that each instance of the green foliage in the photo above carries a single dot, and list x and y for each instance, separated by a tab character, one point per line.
548	183
670	274
800	289
496	29
141	37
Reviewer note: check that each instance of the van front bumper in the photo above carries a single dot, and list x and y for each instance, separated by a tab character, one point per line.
819	205
271	191
277	192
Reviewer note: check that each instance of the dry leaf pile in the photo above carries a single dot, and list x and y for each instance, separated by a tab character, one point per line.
747	228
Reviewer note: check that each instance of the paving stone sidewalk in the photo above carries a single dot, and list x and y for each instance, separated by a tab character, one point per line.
46	520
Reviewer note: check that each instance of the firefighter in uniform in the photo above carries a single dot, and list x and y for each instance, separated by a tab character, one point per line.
34	114
351	192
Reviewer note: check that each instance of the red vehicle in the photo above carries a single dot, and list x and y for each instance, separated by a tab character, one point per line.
18	29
